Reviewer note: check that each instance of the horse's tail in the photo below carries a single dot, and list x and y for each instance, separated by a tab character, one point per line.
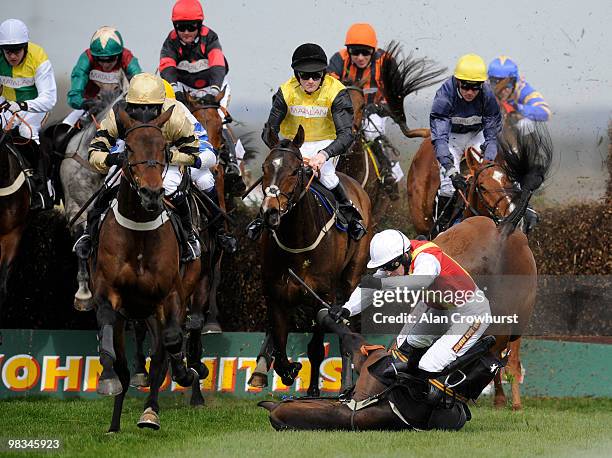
528	165
401	77
250	144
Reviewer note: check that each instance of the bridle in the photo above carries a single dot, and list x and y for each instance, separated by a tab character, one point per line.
133	180
491	210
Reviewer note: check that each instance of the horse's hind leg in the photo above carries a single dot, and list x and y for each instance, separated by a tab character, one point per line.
140	377
82	298
514	369
193	326
280	330
212	325
259	379
121	367
499	400
8	251
172	338
316	353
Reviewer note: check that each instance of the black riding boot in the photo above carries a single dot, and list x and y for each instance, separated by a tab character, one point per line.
83	245
191	249
530	219
225	239
386	166
446	208
234	184
356	230
255	228
41	198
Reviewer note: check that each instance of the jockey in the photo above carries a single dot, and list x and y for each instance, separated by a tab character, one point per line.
518	95
28	93
362	60
192	61
105	62
422	266
321	105
146	100
464	113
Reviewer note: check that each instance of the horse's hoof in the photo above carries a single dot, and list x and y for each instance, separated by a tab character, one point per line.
139	380
109	387
499	403
212	327
517	407
83	303
149	419
313	392
258	380
201	369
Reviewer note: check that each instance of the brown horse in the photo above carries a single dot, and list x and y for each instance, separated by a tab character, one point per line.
498	255
300	235
136	275
399	78
14	209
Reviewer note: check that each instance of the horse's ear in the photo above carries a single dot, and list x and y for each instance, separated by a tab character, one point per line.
220	95
269	136
126	121
473	158
298	140
162	118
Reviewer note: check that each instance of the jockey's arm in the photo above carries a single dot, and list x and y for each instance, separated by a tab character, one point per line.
104	140
491	123
167	61
440	125
78	81
181	135
342	114
335	66
426	270
44	79
362	298
130	64
216	60
531	103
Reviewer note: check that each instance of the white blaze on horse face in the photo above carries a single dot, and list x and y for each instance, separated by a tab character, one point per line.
499	177
272	191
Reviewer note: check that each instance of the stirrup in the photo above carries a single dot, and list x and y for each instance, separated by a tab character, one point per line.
82	247
193	250
356	230
255	229
227	241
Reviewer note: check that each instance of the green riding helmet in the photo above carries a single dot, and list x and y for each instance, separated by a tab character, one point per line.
107	41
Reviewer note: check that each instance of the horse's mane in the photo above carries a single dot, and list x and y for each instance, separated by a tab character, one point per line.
402	76
529	164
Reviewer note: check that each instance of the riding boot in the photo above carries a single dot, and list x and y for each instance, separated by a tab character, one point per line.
255	228
41	196
234	184
83	245
446	208
349	212
225	239
530	219
386	166
192	249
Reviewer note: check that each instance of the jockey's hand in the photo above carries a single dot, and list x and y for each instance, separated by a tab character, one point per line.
459	182
180	96
317	161
339	313
15	107
371	282
213	90
197	163
114	159
88	104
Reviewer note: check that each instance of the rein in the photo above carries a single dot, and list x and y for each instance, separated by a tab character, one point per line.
491	210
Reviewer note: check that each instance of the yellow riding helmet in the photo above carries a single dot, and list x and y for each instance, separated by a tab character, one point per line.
146	89
471	67
169	91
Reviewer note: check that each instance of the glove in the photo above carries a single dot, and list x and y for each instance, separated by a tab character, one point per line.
88	104
114	159
15	107
459	182
213	90
339	313
370	281
197	163
180	96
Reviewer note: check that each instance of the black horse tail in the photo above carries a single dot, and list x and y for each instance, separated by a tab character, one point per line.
401	77
528	165
250	143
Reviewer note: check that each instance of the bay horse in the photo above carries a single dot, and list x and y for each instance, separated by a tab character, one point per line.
14	208
399	78
135	273
500	257
300	236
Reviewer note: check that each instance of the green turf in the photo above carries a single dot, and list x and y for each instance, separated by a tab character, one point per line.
237	428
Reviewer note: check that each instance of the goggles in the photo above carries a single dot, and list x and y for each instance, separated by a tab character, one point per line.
360	51
13	49
495	81
187	26
106	59
470	85
315	76
393	264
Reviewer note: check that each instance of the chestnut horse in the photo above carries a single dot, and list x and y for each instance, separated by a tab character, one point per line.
501	258
136	275
14	209
300	236
399	78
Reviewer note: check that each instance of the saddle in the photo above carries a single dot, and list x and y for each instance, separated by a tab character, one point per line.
328	201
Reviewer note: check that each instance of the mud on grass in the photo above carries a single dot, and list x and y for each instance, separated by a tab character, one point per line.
230	427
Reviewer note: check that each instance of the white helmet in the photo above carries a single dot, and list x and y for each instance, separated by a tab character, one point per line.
386	246
13	32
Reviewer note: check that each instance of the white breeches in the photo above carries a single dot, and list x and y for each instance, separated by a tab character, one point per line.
327	173
457	144
30	126
73	117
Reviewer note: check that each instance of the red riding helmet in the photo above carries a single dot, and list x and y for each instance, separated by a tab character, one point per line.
187	10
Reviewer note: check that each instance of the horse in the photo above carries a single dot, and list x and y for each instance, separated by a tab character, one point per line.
501	258
136	275
14	208
399	77
79	181
300	236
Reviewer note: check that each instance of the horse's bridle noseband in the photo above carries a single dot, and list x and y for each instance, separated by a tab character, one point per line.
274	190
132	179
491	210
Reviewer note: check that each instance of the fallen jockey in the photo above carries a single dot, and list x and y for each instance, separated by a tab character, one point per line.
320	104
423	350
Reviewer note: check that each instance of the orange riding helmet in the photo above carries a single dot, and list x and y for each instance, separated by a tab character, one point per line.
361	34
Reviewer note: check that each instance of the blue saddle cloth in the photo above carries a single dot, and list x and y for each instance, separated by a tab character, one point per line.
326	198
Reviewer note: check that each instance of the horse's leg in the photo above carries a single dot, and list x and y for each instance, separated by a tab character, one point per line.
259	378
172	338
9	243
499	400
212	325
280	331
123	372
316	353
193	326
83	297
108	383
514	369
140	377
157	373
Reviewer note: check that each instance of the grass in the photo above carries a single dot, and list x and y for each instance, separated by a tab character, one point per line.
229	427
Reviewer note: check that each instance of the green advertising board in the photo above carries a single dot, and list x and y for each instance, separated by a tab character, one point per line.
66	364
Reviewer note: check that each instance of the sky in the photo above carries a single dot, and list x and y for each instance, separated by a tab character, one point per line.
562	48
